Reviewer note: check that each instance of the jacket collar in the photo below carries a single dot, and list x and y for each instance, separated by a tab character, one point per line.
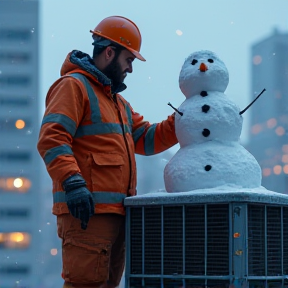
85	62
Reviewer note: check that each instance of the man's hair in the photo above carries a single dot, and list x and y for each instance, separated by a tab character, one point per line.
101	43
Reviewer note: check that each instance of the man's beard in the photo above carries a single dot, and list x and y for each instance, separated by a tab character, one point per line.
114	72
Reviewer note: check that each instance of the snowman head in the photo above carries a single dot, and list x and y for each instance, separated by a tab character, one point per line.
203	71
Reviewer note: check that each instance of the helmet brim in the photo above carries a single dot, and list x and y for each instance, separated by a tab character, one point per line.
134	52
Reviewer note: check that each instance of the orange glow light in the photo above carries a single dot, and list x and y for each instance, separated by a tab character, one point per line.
285	169
277	169
15	184
266	172
18	182
285	148
271	123
16	237
236	235
256	129
54	252
10	183
15	240
285	158
20	124
280	131
257	59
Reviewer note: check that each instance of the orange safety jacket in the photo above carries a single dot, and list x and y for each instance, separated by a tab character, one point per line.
88	131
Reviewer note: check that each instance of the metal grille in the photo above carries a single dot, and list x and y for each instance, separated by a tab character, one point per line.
201	220
274	243
173	240
152	282
265	240
172	283
256	240
191	283
152	229
218	240
135	283
193	245
217	284
285	240
195	240
262	284
136	240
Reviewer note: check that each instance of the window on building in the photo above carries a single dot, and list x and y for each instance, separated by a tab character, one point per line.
14	57
15	269
14	124
7	156
15	184
12	80
15	240
15	34
14	101
14	213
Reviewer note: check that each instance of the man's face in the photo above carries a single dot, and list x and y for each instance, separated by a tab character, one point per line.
119	66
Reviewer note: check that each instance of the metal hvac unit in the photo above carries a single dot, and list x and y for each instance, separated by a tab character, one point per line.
207	239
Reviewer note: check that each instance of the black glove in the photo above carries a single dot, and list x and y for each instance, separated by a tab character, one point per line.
79	199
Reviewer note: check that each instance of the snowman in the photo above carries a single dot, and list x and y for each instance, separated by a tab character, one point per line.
208	127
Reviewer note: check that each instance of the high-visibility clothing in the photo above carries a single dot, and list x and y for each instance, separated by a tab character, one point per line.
88	131
91	257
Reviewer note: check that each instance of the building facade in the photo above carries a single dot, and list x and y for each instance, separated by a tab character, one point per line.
20	205
269	114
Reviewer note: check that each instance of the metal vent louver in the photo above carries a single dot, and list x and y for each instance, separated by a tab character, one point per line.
156	232
285	241
152	247
136	240
208	241
265	240
218	240
274	242
256	240
173	240
195	240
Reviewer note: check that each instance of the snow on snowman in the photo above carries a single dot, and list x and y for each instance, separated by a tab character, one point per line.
208	127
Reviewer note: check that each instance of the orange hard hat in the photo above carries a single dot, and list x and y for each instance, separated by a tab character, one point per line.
122	31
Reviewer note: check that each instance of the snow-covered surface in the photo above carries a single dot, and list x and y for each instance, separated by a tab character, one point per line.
210	153
221	194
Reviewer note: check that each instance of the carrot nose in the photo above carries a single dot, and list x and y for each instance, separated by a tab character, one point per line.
203	67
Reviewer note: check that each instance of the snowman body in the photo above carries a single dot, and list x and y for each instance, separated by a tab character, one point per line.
208	132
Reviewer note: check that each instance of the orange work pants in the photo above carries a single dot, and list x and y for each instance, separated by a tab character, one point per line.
94	257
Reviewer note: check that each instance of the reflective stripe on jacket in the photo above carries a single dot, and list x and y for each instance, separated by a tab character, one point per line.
84	130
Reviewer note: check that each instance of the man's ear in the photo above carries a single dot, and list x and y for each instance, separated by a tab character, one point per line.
109	52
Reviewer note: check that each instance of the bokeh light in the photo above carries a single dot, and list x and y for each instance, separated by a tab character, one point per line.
20	124
266	172
18	182
257	59
53	251
277	169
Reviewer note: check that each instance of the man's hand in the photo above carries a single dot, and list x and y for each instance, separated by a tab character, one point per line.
79	199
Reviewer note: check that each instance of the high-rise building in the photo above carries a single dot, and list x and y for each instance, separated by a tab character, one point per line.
269	114
20	195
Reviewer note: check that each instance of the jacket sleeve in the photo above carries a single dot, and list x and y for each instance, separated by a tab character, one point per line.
64	111
150	139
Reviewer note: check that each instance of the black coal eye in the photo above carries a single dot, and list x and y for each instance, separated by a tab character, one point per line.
194	61
210	60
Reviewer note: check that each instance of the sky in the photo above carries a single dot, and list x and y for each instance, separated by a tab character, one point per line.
171	31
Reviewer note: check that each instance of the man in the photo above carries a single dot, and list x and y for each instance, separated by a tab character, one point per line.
88	140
